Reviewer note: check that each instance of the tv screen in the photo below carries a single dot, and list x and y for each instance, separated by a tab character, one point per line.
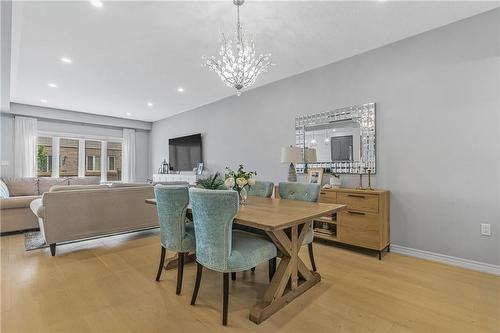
185	152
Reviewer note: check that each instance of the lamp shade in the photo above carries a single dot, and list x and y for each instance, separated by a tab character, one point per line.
291	155
310	155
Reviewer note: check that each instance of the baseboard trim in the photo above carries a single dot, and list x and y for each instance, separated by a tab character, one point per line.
460	262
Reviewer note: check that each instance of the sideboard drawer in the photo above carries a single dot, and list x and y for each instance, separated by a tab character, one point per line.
364	202
328	197
359	228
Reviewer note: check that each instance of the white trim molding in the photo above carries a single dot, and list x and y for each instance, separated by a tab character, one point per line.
81	158
104	161
55	156
455	261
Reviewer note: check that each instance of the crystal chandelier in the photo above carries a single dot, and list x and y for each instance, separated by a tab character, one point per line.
238	66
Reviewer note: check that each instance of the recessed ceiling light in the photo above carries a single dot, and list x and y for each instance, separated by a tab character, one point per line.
52	85
43	100
129	113
66	60
180	89
150	104
96	3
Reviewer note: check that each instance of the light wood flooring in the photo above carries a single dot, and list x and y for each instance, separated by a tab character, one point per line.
108	285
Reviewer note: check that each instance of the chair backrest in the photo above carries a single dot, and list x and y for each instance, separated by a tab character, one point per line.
299	191
171	205
213	214
173	183
261	189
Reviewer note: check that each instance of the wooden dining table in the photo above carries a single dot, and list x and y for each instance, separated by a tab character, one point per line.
286	223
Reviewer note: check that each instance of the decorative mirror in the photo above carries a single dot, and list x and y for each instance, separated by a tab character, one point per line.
341	141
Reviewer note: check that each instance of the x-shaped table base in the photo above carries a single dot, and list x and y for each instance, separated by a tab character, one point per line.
292	277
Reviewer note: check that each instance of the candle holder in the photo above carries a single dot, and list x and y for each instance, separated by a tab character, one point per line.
370	179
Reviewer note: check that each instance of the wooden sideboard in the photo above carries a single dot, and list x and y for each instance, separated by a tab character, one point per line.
364	223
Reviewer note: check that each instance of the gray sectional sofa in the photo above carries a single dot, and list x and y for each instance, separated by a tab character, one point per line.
16	195
70	213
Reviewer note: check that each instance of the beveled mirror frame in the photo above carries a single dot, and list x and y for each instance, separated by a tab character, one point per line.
364	114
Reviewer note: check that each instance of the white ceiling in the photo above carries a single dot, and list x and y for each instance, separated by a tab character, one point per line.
128	53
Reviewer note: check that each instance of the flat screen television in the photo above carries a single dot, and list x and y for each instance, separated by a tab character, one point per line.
185	152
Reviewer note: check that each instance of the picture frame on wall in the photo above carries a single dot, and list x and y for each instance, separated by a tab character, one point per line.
315	175
199	171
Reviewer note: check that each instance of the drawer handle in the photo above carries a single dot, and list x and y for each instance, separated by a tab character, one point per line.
356	196
356	213
322	193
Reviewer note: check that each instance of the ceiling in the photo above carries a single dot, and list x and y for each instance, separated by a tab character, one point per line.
126	54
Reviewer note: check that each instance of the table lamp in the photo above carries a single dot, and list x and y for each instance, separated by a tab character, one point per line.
310	155
291	155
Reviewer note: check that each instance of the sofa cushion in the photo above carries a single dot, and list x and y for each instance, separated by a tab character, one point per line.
22	186
117	184
4	190
45	183
37	208
59	188
17	202
84	181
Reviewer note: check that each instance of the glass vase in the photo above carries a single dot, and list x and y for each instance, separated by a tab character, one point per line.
243	196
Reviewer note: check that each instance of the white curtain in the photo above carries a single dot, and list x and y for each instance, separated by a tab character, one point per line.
128	155
25	140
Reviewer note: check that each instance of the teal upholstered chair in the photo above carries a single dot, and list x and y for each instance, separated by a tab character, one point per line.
176	231
261	189
218	246
302	192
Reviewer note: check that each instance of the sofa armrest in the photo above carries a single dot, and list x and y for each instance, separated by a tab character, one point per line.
37	208
17	202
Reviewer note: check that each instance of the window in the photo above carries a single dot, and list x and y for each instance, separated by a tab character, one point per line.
78	157
44	156
93	158
114	153
68	157
93	163
111	163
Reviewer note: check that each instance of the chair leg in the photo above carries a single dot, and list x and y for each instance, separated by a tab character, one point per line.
225	297
199	270
180	271
272	268
162	262
233	276
53	249
253	269
311	256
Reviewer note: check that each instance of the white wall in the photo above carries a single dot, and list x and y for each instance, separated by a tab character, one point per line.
5	30
82	124
438	140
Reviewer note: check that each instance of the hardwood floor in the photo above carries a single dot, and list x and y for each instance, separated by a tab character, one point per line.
108	285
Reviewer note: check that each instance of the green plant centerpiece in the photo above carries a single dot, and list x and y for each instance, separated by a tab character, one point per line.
212	182
240	181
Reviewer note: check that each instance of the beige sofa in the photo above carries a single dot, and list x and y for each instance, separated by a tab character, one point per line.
18	193
79	212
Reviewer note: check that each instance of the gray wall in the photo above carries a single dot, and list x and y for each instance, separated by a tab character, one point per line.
438	141
63	121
